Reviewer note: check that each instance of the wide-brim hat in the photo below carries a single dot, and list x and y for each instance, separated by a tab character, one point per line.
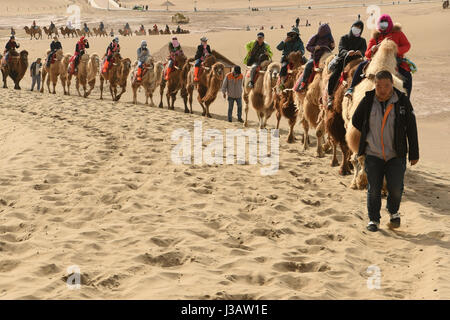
204	39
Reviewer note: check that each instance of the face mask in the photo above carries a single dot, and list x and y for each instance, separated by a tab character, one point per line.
384	25
356	31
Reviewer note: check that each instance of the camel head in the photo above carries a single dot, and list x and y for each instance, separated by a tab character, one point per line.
385	58
181	60
95	61
59	55
149	63
274	70
296	58
24	55
125	67
209	61
218	70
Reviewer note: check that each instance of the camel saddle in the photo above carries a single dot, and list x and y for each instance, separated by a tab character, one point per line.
255	76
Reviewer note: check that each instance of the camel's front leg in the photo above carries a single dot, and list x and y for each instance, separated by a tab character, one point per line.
305	125
161	93
121	93
246	110
101	87
43	76
291	137
334	160
134	94
77	85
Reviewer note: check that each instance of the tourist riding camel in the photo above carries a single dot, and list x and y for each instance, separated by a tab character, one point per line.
69	25
33	25
10	45
351	46
318	44
54	46
203	51
112	48
80	49
174	51
127	29
256	49
142	54
101	26
85	28
292	43
386	29
52	27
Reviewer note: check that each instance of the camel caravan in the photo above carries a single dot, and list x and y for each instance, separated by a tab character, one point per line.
321	92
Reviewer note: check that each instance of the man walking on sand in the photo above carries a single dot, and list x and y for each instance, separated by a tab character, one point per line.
386	120
232	86
35	73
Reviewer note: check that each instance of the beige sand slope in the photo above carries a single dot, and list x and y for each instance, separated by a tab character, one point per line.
91	183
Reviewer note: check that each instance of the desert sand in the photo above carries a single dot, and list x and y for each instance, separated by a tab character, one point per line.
91	183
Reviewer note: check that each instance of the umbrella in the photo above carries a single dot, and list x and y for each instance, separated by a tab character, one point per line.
167	4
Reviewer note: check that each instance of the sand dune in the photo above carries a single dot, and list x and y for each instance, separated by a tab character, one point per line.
91	183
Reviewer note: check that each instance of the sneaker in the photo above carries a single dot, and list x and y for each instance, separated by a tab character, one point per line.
349	93
373	226
240	120
395	221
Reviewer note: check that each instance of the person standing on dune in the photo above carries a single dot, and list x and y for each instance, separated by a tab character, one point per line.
386	121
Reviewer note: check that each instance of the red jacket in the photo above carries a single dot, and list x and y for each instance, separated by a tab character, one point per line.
395	35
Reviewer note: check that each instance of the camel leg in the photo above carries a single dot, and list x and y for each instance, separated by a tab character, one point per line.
54	84
278	119
191	97
161	92
291	137
77	86
134	94
334	160
121	93
345	168
174	97
101	87
361	180
112	92
44	74
305	139
246	110
184	95
320	140
68	85
63	81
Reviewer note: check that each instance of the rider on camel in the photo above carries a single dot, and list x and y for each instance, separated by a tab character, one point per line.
174	51
112	48
256	49
292	43
318	44
10	45
351	46
142	55
386	29
54	46
80	47
203	50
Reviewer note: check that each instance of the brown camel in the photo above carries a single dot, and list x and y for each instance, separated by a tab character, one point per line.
261	95
150	80
49	32
92	72
283	102
311	103
55	69
117	75
174	84
209	84
99	32
15	68
67	32
36	33
125	33
334	123
80	75
140	32
384	59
